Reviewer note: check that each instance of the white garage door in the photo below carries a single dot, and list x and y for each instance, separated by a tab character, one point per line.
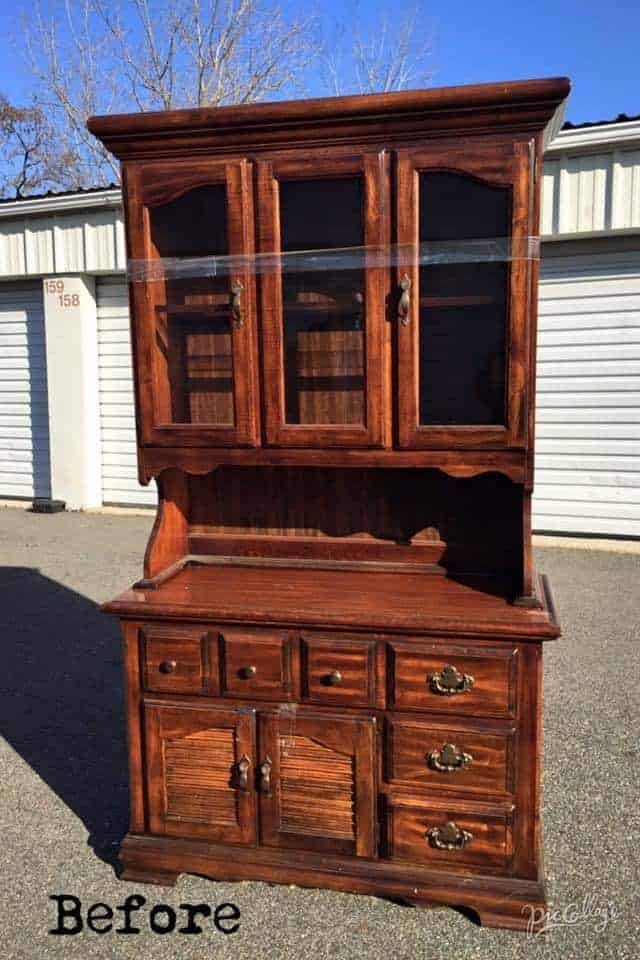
117	416
25	469
588	406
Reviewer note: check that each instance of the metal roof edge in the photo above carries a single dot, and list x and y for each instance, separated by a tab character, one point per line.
61	203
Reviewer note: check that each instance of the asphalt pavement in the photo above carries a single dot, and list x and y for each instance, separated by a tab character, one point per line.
63	785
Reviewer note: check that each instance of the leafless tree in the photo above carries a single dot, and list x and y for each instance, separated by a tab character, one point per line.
381	53
97	56
29	159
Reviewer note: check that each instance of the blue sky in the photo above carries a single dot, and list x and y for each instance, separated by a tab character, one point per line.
596	44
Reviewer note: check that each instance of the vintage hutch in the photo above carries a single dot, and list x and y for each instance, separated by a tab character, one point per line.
334	658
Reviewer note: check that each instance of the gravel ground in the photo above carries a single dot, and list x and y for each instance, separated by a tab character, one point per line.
64	791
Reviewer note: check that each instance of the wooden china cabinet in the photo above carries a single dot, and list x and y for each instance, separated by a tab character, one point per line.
334	656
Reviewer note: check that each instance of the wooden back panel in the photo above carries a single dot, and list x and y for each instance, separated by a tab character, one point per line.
378	515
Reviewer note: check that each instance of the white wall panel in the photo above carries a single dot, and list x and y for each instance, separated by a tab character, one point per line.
117	415
24	418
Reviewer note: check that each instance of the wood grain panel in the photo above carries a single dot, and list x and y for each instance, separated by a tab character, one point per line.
338	671
488	847
322	794
193	786
253	664
492	672
173	660
409	746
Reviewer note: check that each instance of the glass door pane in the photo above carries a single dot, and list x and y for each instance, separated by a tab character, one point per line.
463	306
323	311
193	318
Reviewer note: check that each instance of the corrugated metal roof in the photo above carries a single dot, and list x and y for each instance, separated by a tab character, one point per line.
61	193
621	118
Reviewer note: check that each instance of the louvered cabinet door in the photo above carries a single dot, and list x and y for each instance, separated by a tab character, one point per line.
200	776
316	783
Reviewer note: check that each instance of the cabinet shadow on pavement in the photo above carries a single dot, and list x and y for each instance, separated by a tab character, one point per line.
62	699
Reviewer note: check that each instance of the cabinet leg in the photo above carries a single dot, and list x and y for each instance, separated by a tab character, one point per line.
134	874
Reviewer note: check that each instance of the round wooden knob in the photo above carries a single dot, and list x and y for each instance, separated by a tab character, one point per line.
247	672
167	666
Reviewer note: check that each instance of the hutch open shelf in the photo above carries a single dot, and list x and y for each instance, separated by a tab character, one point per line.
334	656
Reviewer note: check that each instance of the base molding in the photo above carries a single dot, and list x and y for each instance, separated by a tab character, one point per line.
498	901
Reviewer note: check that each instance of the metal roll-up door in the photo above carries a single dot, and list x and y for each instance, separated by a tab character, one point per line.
588	396
117	413
25	466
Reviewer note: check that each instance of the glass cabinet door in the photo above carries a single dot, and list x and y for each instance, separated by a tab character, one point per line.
195	305
322	306
462	294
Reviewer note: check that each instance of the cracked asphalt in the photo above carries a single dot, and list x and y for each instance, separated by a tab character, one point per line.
63	788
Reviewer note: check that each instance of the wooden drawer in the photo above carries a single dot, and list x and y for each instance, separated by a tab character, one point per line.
453	678
338	671
254	664
455	834
449	756
173	659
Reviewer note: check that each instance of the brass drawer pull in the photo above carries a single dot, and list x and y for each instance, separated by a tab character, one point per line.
449	759
265	776
449	837
167	666
242	779
449	681
247	672
333	679
404	305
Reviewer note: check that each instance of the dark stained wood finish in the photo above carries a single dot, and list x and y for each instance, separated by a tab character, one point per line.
489	846
328	353
255	664
410	746
194	756
338	671
173	659
327	540
340	598
491	672
323	783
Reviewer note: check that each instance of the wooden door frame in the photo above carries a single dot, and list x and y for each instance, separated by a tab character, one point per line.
149	185
502	163
243	722
357	735
374	167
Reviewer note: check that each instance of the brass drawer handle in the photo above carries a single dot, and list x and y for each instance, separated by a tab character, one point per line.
333	679
265	776
167	666
448	759
404	306
449	681
247	672
449	837
242	778
236	303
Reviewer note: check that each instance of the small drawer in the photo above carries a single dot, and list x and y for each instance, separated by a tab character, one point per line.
449	757
338	671
253	664
173	660
456	834
452	678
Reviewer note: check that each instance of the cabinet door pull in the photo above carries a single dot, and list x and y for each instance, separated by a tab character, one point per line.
236	303
265	776
242	779
404	305
167	666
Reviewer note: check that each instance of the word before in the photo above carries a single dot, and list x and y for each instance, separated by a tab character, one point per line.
161	918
